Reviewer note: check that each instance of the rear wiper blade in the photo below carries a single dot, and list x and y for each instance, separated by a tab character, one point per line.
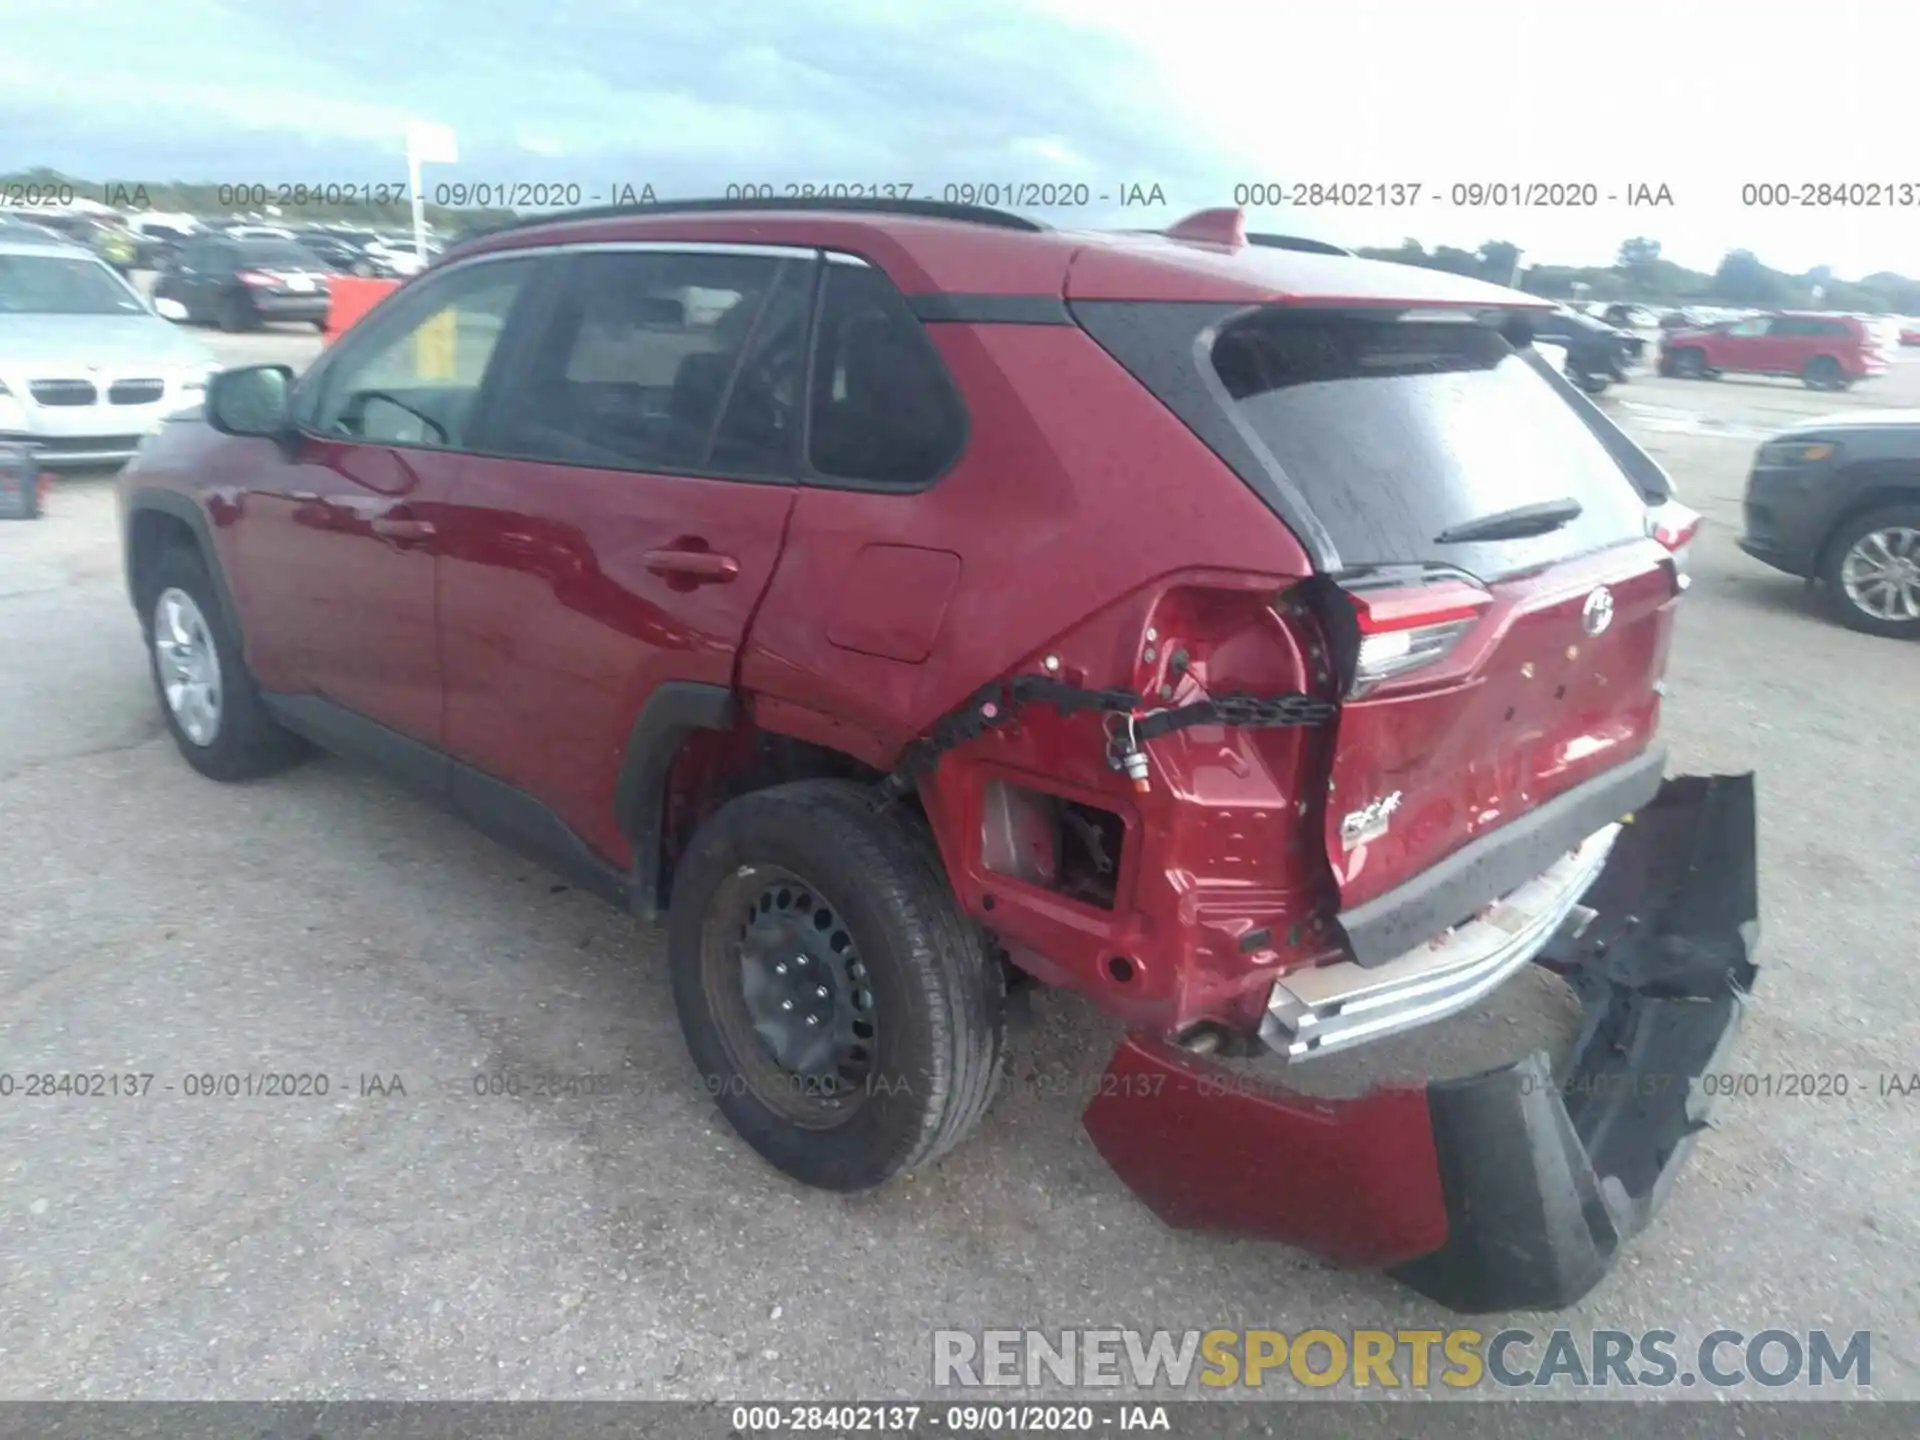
1518	523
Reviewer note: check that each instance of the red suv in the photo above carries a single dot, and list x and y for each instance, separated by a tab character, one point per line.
1828	352
910	600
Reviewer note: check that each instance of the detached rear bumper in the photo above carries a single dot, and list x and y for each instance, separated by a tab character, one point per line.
1515	1188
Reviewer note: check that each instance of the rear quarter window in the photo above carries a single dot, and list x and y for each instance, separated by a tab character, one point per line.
883	413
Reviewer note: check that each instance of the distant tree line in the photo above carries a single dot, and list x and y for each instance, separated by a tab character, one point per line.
1640	274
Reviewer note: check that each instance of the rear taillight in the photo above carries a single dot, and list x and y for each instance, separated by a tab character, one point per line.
1405	628
256	277
1674	526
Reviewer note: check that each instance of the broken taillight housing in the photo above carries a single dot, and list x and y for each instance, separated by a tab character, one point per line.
1406	627
1674	526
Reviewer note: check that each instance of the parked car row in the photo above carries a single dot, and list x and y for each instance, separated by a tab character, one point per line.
102	234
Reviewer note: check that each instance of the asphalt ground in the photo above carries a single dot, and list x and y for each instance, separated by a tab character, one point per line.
422	1240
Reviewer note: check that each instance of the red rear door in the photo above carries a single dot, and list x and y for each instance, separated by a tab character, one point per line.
653	416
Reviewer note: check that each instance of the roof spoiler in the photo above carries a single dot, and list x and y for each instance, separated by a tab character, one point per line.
1226	225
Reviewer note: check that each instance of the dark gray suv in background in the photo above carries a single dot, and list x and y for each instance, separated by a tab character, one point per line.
1837	501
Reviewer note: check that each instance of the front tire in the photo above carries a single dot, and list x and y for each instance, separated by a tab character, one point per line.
845	1015
1690	364
1823	373
209	701
1871	574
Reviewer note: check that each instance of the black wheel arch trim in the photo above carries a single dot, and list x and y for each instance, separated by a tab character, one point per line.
672	712
188	512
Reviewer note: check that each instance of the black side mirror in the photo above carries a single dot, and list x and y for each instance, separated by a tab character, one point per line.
250	401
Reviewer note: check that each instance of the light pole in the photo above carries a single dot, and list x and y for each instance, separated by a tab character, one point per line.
427	144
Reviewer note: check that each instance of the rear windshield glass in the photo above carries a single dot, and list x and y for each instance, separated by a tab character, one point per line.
1395	431
276	252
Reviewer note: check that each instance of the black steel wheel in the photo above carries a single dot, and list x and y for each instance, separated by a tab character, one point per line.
843	1013
793	995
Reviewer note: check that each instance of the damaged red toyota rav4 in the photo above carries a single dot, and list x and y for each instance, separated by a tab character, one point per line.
1265	644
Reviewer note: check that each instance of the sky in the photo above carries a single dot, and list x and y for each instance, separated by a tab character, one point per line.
1196	97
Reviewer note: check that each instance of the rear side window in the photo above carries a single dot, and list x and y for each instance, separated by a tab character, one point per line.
638	358
1394	432
883	413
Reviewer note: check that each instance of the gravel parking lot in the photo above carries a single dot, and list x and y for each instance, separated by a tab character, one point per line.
413	1239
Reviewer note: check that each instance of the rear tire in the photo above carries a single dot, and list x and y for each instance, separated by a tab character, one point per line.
1823	373
813	887
189	647
237	314
1871	573
1690	364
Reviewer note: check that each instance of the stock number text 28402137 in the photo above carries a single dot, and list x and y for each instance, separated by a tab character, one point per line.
1003	194
1315	194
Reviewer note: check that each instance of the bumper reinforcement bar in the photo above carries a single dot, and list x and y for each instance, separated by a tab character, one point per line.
1318	1011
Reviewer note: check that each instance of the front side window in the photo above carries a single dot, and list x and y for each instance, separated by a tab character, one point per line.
638	357
884	413
1749	328
414	378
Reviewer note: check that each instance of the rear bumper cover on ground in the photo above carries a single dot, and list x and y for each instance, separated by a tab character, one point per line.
1509	1190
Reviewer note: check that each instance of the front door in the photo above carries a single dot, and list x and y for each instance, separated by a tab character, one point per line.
640	446
335	554
1747	346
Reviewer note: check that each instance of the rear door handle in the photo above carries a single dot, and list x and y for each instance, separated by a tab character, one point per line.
702	567
403	533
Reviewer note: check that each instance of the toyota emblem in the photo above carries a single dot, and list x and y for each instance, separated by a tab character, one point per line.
1597	614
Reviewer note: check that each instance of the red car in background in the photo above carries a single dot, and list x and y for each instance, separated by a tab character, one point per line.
1828	352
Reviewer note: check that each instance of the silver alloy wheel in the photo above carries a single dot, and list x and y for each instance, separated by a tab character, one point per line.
1881	573
188	665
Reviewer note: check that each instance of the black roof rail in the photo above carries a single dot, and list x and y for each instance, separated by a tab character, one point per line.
856	204
1297	242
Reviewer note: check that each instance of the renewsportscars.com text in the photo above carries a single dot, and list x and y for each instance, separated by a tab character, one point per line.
1457	1359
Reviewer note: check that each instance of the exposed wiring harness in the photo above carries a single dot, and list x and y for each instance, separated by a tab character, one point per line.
998	704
